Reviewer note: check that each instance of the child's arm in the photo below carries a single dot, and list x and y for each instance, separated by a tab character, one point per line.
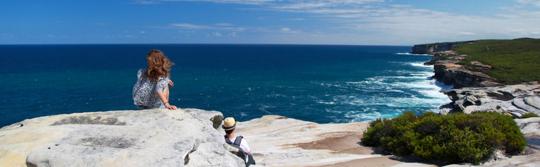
162	91
165	100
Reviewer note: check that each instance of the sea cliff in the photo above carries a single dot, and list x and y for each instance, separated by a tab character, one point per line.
475	87
433	47
193	137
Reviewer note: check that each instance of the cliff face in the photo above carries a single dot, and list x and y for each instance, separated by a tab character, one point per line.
475	90
449	69
433	48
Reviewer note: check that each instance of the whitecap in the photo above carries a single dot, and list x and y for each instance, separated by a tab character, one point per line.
420	64
388	95
411	54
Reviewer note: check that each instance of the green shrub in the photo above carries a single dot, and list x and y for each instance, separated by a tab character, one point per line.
529	115
452	138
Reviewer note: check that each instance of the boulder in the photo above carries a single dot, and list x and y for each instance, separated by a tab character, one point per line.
117	138
513	99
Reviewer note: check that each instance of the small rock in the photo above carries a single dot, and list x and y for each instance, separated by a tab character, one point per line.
516	114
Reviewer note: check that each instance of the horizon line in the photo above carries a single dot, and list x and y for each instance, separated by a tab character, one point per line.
292	44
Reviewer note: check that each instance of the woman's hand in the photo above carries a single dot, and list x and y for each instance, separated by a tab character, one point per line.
170	107
171	83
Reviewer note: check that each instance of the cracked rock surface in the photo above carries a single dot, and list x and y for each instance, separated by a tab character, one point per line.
117	138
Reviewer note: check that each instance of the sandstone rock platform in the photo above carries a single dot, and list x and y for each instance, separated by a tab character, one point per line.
188	137
117	138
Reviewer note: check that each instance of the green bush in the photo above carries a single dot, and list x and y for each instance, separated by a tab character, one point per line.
529	115
452	138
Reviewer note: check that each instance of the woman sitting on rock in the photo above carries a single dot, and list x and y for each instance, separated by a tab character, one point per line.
152	87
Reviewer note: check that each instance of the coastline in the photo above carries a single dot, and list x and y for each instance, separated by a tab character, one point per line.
474	90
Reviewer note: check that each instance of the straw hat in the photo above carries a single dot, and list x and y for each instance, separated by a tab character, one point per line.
229	123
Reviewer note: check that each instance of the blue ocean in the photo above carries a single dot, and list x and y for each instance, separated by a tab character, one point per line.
320	83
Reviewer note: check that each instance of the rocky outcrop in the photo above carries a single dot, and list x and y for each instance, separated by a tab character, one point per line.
512	99
281	141
474	90
449	68
434	47
187	137
184	137
117	138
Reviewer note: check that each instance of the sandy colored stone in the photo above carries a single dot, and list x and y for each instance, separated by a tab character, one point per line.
117	138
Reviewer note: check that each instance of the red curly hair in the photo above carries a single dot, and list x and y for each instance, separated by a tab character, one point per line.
158	65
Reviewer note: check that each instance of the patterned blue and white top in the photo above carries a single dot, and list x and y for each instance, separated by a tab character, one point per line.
145	91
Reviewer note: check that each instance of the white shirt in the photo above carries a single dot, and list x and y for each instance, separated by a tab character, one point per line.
243	144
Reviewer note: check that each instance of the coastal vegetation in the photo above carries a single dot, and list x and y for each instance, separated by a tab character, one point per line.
512	61
445	139
529	115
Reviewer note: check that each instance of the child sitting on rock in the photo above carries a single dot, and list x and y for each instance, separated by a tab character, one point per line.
229	125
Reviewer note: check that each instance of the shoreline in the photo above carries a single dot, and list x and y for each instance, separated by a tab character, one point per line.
474	90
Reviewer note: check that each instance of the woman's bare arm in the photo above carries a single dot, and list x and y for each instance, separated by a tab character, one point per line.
163	96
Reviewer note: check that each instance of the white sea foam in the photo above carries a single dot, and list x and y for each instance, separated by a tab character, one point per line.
412	54
388	95
357	116
420	64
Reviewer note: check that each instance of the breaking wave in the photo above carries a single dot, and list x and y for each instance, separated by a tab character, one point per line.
387	96
412	54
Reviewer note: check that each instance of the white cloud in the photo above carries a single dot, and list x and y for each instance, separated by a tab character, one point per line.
288	30
529	2
251	2
189	26
360	21
217	27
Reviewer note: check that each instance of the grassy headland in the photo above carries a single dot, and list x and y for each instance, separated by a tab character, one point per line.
513	61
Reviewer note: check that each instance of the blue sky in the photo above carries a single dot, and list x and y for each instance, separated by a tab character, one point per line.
375	22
